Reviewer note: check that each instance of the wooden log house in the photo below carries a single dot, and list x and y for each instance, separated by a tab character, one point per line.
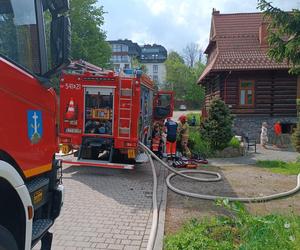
239	71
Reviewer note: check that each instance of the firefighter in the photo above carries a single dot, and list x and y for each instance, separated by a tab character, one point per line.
171	129
156	140
183	131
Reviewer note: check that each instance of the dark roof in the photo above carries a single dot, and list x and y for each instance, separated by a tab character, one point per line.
133	48
153	53
238	47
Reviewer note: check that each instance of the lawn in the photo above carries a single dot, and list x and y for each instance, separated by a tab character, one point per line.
239	231
280	167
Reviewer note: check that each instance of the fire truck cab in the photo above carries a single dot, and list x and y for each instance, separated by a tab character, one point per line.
104	114
31	192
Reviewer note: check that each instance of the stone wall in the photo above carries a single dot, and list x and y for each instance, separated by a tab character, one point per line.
251	125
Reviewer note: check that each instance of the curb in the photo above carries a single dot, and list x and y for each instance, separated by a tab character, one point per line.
162	214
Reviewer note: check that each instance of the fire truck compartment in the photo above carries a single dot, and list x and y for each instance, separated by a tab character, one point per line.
98	117
96	149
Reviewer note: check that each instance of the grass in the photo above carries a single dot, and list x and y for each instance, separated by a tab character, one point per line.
240	231
280	167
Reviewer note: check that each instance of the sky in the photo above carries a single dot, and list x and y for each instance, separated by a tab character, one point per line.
171	23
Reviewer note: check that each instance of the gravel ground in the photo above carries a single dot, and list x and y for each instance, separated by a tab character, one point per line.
240	178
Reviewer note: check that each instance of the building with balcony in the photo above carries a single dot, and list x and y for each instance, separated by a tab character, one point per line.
154	57
123	52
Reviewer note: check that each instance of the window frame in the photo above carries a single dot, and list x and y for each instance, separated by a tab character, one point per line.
155	78
252	88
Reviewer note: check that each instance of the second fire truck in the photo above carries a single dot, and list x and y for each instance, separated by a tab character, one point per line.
104	114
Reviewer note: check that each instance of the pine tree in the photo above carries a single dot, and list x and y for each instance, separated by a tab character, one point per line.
217	128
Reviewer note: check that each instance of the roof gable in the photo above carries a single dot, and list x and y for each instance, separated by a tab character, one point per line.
238	44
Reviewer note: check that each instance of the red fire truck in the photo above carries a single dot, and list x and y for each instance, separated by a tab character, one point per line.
31	193
104	114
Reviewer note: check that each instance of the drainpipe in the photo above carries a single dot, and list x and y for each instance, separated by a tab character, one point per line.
225	86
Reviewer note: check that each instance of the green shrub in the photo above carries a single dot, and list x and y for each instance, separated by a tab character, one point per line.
217	128
296	138
197	144
197	116
239	231
234	142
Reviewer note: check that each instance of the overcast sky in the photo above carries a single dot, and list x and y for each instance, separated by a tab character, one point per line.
171	23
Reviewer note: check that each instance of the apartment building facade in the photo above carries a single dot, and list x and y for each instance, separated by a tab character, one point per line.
152	56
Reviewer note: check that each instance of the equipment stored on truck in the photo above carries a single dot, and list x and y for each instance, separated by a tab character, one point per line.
31	191
104	114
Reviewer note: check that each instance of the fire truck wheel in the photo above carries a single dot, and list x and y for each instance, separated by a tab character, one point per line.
7	240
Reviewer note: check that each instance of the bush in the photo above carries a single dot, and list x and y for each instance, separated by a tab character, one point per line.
234	142
217	128
296	138
198	144
190	117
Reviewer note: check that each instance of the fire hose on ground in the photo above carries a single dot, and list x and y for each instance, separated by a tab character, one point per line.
183	173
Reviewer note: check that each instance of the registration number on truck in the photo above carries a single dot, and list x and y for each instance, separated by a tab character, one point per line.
131	153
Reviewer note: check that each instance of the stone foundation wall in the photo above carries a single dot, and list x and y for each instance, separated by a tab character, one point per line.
251	125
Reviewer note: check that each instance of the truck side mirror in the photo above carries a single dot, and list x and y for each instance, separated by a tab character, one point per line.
61	6
60	40
56	6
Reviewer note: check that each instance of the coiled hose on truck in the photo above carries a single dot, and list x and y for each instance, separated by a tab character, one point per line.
195	195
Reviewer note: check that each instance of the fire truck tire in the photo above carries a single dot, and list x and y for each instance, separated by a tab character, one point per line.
7	240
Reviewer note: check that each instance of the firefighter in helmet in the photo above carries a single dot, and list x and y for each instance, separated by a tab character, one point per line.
156	140
183	131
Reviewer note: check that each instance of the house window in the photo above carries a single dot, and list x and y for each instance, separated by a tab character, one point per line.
155	78
155	68
247	93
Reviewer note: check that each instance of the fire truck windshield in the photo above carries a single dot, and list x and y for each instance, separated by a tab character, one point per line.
19	40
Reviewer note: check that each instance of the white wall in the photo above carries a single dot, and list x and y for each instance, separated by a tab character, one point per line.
160	73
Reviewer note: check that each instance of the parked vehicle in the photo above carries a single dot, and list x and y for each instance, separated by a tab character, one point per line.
31	192
182	107
104	114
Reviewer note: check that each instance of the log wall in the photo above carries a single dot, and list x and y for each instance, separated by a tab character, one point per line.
275	93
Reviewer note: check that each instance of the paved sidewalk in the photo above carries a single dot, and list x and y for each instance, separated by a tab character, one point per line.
251	157
106	208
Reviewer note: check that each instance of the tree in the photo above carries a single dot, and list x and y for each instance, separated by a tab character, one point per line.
88	39
137	65
183	80
284	34
196	93
217	128
174	70
192	54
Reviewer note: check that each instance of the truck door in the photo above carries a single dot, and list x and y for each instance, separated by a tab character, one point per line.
163	105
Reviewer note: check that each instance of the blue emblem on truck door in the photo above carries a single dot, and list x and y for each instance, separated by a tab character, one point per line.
35	125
